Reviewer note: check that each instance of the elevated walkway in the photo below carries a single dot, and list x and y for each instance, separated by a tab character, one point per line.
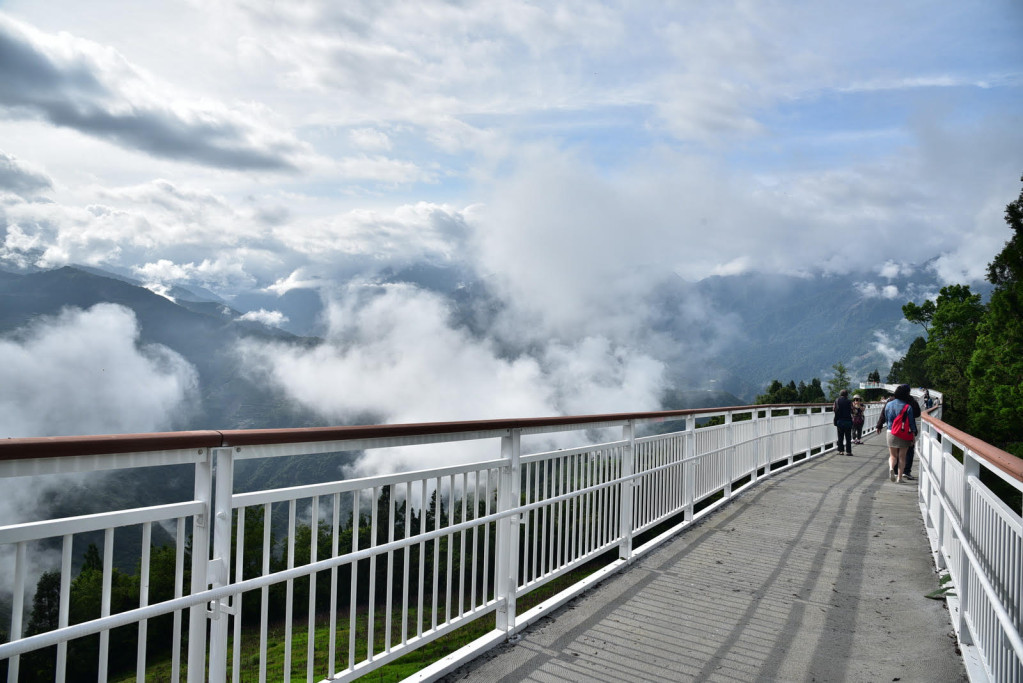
817	574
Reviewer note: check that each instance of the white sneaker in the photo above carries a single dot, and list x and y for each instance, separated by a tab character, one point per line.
891	474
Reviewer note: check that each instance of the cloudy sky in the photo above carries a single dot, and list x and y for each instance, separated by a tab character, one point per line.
574	154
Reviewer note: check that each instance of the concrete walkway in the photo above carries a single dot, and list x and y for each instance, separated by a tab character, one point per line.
817	574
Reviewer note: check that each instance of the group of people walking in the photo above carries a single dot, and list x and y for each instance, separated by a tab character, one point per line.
898	419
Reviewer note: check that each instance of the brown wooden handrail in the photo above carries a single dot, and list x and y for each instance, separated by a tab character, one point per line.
1003	460
67	446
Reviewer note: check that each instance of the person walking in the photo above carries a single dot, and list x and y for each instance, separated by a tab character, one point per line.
857	419
897	447
911	451
844	422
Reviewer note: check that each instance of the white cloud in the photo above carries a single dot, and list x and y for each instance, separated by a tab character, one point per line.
271	318
85	372
295	280
22	178
870	290
884	345
393	354
79	84
370	138
381	169
408	233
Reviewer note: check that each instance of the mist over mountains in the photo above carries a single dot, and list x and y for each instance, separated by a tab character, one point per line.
219	366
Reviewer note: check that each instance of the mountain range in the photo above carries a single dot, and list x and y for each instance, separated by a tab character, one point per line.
779	327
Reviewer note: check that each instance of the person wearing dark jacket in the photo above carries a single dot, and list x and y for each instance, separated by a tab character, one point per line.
912	447
844	422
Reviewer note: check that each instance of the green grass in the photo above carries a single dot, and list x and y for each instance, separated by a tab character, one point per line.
397	670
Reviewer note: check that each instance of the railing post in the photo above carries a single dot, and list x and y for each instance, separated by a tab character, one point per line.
627	490
946	450
689	467
792	435
220	566
730	460
971	468
755	417
508	498
203	491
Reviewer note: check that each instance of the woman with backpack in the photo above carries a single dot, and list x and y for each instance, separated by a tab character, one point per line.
901	425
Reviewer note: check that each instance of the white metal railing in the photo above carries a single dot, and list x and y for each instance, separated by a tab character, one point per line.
335	579
978	539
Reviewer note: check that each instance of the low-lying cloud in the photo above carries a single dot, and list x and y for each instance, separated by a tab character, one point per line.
85	372
394	354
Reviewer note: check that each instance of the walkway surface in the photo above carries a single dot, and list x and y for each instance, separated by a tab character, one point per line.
816	574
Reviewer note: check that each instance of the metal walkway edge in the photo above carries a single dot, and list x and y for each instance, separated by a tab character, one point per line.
816	574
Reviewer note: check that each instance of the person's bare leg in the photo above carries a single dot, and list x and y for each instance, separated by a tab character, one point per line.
902	463
893	462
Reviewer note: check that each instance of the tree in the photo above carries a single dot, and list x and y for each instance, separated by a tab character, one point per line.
873	394
838	382
779	393
912	368
995	369
951	338
814	392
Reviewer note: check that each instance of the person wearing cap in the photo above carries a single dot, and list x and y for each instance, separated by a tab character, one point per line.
857	419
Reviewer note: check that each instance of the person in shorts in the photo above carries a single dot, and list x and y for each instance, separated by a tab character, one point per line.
897	447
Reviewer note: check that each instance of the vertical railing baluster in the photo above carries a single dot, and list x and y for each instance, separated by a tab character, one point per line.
971	469
756	429
475	538
546	493
64	611
289	591
730	451
335	537
572	549
406	556
236	602
538	495
354	579
203	491
179	579
219	566
18	607
264	604
449	568
140	653
462	534
626	490
437	514
506	571
372	599
314	542
689	469
389	598
104	610
422	559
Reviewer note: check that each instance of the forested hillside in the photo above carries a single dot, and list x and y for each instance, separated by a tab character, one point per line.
973	351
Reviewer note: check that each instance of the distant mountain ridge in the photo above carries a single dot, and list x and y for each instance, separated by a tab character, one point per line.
783	327
201	332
